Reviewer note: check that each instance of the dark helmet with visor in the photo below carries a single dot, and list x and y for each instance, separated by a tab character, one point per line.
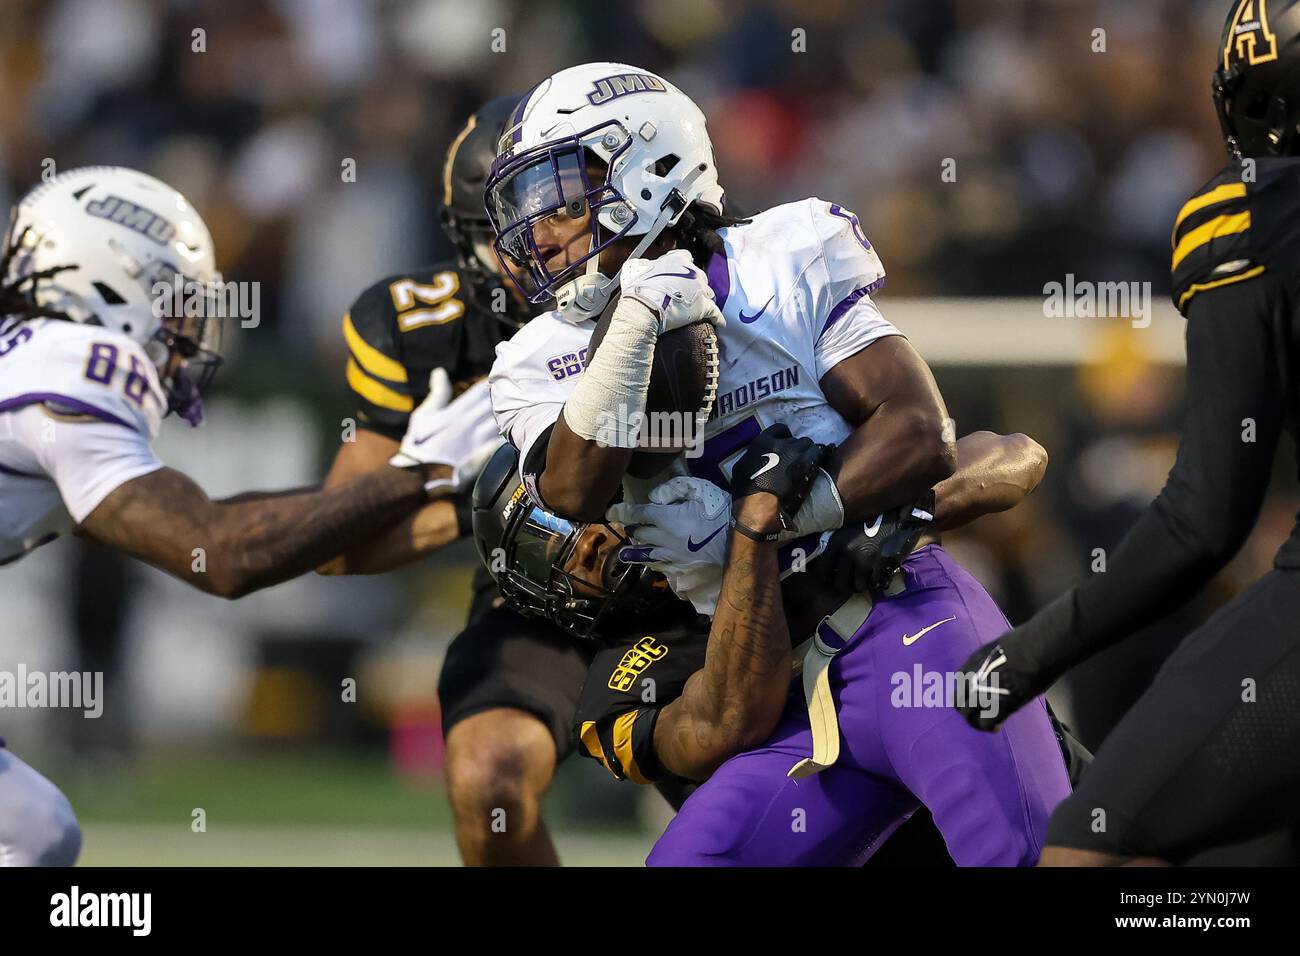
528	550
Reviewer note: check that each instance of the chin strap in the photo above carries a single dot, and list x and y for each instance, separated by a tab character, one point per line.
587	294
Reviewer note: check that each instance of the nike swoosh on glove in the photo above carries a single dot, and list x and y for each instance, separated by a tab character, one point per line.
864	556
460	433
1004	675
682	534
673	288
781	465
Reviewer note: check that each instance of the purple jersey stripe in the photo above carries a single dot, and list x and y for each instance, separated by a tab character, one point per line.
719	278
848	302
31	398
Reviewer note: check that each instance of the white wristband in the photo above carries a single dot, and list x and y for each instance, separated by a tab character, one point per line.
822	510
610	395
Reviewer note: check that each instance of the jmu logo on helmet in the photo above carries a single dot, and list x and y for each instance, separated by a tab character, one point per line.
1249	38
133	217
612	87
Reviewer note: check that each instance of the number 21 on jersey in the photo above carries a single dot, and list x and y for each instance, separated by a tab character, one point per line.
419	303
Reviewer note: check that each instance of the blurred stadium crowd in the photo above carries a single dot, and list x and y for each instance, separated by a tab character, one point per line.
1068	160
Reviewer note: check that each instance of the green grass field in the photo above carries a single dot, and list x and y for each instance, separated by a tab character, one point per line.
310	808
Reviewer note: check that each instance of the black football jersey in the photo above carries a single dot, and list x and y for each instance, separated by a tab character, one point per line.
1244	223
1234	266
628	683
1242	229
1241	232
403	328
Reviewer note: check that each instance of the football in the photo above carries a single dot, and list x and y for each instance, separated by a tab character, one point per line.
683	383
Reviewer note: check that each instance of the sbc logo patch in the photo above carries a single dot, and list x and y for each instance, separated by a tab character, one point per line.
634	663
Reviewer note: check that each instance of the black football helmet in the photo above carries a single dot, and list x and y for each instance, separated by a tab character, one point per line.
527	550
1256	82
464	217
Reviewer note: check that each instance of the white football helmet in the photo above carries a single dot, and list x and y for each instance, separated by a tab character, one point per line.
97	244
658	157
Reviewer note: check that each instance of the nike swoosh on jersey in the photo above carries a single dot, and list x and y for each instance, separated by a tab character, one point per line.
773	459
749	319
691	545
871	530
909	640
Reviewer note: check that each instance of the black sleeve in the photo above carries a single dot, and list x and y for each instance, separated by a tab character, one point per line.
532	466
377	376
628	683
1235	410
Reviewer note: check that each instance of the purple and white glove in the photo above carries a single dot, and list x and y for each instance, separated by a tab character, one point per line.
673	288
682	534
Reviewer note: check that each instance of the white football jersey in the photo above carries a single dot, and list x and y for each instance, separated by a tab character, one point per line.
795	286
79	406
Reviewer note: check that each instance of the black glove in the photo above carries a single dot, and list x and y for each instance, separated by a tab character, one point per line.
863	557
781	465
1004	675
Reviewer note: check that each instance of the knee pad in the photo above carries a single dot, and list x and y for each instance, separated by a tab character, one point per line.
37	825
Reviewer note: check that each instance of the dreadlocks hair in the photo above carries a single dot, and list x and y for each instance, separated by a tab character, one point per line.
18	294
697	231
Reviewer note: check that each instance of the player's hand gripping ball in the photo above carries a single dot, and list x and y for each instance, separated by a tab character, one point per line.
680	533
673	288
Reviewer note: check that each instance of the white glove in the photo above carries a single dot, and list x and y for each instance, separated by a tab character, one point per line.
462	434
682	534
673	288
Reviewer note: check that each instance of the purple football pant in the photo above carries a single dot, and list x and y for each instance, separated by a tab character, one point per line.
990	794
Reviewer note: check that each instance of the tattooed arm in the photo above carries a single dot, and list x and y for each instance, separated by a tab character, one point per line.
735	700
248	543
415	535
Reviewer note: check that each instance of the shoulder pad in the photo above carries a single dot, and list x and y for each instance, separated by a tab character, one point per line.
850	257
90	371
812	248
398	331
1224	233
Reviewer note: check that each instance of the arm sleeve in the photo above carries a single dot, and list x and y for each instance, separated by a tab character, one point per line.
1213	494
90	460
525	406
627	685
376	376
